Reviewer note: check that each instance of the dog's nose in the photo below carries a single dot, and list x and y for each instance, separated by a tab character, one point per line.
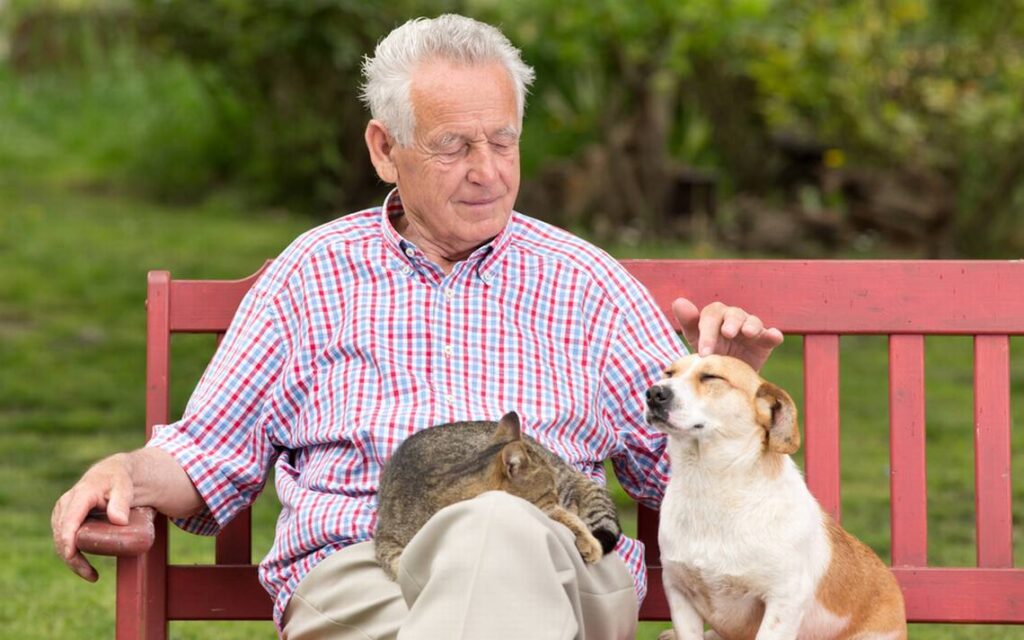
658	396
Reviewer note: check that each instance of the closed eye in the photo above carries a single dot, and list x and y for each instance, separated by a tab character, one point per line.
454	153
704	377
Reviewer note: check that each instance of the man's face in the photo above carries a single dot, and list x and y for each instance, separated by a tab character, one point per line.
459	178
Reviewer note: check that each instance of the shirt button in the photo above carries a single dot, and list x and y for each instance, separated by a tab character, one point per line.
406	269
448	293
485	277
448	351
409	251
450	399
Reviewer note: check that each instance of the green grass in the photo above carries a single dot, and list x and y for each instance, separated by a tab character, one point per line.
72	289
120	115
72	284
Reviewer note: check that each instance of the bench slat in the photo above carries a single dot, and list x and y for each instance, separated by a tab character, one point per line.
216	593
993	490
962	595
821	420
908	480
851	296
208	306
950	595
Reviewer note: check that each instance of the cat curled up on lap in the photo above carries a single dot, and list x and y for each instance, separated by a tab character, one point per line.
449	463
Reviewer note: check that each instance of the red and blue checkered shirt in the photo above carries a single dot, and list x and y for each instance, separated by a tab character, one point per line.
352	340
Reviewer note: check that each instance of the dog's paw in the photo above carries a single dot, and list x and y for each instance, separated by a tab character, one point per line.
667	634
589	547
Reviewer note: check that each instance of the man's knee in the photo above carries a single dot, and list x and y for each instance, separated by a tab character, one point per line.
493	519
509	515
495	502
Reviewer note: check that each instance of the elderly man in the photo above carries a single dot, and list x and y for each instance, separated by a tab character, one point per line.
441	305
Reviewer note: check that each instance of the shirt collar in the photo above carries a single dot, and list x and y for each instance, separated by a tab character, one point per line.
484	260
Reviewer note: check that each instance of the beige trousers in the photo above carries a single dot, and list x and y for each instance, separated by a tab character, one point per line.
490	568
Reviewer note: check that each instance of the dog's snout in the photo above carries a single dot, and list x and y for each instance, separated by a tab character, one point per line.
658	396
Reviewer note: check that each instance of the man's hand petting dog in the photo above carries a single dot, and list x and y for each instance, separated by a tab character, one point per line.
726	330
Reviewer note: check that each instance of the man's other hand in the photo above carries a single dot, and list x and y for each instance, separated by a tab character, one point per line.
107	485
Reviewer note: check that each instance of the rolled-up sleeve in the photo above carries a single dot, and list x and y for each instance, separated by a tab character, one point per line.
222	439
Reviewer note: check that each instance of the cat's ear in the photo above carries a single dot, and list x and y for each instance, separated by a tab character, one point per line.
514	459
508	428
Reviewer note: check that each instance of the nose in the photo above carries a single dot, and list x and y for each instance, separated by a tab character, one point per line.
658	396
482	165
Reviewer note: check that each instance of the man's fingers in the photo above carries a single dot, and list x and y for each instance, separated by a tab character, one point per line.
688	316
752	327
120	501
76	508
65	527
81	566
718	328
711	319
772	338
55	527
733	321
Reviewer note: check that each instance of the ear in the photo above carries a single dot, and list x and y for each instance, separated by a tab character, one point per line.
514	459
776	412
380	145
508	428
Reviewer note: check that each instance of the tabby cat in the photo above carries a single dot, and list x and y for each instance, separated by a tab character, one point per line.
448	463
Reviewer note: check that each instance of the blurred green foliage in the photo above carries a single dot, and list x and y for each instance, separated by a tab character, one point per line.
931	84
921	85
84	100
296	67
181	97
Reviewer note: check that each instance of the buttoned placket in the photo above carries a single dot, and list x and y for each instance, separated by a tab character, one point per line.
447	322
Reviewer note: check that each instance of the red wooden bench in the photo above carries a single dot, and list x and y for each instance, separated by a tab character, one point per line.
820	300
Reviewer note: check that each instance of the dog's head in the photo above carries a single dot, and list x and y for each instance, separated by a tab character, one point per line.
716	397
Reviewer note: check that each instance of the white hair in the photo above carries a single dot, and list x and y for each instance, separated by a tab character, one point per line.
388	74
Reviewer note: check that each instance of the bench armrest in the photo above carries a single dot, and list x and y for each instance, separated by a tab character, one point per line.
99	536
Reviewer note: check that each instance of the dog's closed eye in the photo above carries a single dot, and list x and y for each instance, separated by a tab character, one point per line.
706	377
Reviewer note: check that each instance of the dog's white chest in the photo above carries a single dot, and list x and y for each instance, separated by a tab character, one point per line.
729	526
727	544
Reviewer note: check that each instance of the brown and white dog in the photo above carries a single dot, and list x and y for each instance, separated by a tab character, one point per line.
745	547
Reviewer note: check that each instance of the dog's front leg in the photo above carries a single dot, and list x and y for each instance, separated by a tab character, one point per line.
782	619
686	622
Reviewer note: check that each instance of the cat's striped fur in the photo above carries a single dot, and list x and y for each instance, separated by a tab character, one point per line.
448	463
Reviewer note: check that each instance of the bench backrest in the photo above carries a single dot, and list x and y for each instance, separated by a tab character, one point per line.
820	300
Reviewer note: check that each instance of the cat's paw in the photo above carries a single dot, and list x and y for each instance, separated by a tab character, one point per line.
608	539
589	548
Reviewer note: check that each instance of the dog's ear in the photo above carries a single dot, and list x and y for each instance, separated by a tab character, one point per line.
776	412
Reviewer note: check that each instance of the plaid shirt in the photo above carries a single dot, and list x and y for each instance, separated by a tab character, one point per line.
352	341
